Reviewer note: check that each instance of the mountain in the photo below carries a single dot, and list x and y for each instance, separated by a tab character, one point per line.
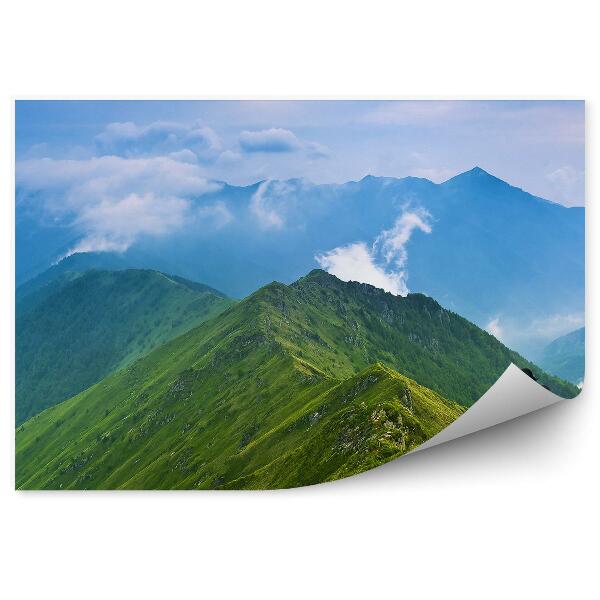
495	252
75	328
565	356
499	248
68	268
293	385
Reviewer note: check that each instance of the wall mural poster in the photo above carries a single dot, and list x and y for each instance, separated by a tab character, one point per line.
273	294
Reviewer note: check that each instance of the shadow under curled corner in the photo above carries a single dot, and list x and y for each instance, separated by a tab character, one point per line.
514	395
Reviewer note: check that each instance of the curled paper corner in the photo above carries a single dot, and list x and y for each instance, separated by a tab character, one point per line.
514	394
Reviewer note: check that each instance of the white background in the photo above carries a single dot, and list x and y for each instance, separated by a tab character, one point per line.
507	513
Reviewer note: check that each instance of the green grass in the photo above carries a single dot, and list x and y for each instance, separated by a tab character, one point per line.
80	327
292	386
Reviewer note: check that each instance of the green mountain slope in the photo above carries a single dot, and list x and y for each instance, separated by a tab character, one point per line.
78	327
565	356
358	424
69	268
359	324
294	385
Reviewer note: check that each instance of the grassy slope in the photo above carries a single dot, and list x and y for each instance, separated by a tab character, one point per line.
73	331
294	385
358	424
358	325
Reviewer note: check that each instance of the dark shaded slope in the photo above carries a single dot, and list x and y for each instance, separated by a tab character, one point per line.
78	327
66	269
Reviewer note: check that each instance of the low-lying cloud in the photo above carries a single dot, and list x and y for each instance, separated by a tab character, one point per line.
356	262
393	241
566	183
268	203
216	214
115	225
384	263
493	326
110	201
514	333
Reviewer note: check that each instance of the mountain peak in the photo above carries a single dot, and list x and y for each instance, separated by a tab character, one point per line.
317	276
476	176
477	170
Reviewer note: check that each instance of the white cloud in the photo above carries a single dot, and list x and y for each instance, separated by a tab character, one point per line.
554	326
115	225
356	262
316	150
112	201
217	214
267	202
566	183
269	140
113	175
563	175
384	264
94	243
185	155
531	336
228	157
393	241
276	140
494	328
158	138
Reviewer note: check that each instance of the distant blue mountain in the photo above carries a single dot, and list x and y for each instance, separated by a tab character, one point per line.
565	357
494	251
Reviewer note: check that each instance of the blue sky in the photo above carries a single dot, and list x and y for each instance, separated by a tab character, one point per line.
536	145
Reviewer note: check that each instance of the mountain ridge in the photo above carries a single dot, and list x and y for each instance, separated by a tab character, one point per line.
254	396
